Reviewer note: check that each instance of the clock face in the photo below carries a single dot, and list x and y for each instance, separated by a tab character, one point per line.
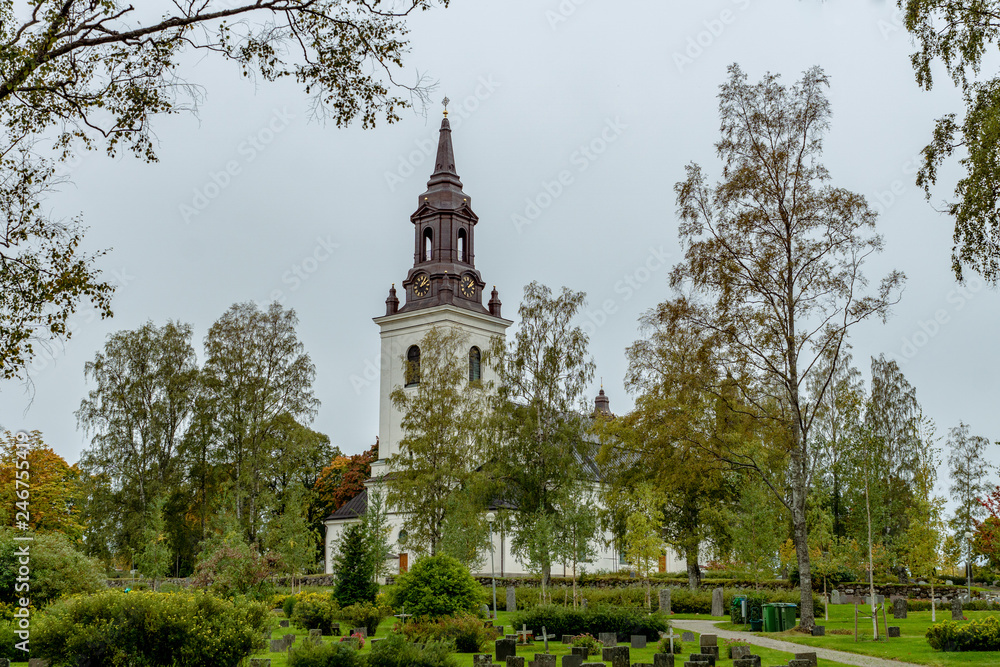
468	287
422	285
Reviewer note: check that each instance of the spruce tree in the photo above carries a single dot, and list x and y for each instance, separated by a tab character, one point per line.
352	567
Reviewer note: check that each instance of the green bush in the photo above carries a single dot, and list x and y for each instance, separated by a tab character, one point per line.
664	646
466	632
314	610
337	654
590	642
624	621
364	615
978	635
57	568
7	640
288	605
151	629
437	586
396	651
230	567
683	600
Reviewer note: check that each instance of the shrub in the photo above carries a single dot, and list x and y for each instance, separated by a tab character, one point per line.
231	567
437	586
352	569
314	610
355	639
979	635
308	654
624	621
664	646
466	632
288	605
590	642
7	640
364	615
57	569
112	628
169	587
396	651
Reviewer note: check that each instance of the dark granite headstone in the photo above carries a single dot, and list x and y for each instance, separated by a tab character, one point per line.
482	660
809	657
663	660
283	623
4	662
567	639
665	601
316	636
638	641
619	656
335	629
609	639
289	639
893	631
572	660
581	651
505	648
956	610
514	661
819	631
703	657
899	608
278	645
749	661
799	663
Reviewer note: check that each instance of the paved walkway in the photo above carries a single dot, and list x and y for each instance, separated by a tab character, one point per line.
708	627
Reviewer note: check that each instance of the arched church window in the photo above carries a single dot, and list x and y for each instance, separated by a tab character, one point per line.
401	540
413	366
428	244
475	361
461	246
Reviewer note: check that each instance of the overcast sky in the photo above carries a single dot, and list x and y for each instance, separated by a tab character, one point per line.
319	216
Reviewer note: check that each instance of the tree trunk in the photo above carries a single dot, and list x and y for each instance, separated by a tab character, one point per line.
933	607
801	533
694	572
871	561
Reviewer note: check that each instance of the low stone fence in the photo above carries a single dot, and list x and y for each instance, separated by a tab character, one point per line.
308	580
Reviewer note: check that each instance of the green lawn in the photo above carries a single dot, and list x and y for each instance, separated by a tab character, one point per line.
768	656
912	646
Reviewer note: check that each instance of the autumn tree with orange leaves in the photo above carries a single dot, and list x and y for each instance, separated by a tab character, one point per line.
344	479
54	484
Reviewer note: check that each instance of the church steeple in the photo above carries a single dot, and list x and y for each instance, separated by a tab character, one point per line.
444	226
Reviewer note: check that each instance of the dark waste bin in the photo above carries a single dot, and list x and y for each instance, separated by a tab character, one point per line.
786	613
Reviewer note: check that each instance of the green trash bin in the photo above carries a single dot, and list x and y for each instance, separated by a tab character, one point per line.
786	612
771	619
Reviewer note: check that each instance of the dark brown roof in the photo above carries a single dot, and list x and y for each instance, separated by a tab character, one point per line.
352	509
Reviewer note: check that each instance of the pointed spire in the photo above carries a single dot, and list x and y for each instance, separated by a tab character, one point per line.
602	403
392	303
444	189
495	303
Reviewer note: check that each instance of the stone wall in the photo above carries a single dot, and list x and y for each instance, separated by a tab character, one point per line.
309	580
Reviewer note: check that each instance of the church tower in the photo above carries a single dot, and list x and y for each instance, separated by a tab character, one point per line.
443	287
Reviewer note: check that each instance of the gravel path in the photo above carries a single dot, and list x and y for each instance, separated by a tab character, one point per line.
708	627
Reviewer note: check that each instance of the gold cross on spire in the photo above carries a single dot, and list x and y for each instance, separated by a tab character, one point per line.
445	102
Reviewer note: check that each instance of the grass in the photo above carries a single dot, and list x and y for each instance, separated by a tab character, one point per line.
768	656
911	646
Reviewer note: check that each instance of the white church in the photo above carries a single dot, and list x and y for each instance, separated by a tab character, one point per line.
443	287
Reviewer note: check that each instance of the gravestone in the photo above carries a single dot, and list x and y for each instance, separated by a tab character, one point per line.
515	661
835	597
809	657
38	662
687	637
819	631
335	629
956	610
278	646
360	631
482	660
899	608
618	656
283	623
738	651
511	599
289	639
316	635
609	639
4	662
485	609
665	601
718	609
567	639
893	631
799	663
709	640
703	657
949	582
638	641
545	660
506	648
749	661
581	651
663	660
572	660
593	664
254	662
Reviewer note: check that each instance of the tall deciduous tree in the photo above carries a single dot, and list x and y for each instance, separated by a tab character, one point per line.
437	451
926	531
538	435
969	467
643	533
55	487
96	73
963	35
256	372
147	381
153	558
773	260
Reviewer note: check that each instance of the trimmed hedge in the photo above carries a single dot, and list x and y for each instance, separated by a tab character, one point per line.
151	629
979	635
682	600
337	654
623	621
396	651
467	632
